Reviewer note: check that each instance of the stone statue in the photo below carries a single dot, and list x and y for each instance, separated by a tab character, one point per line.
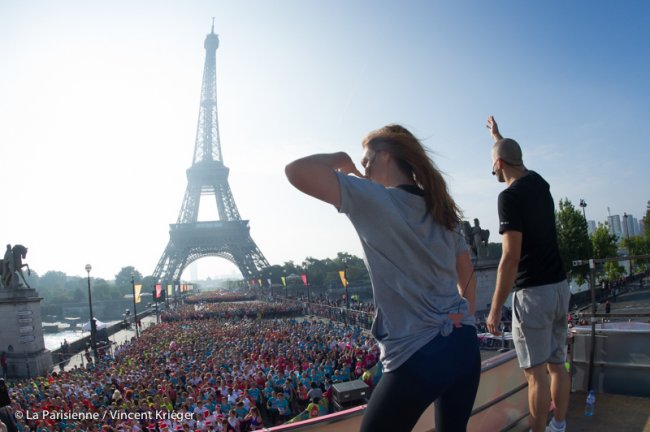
11	267
467	233
476	238
479	237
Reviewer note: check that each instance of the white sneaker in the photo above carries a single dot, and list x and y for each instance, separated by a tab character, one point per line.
550	428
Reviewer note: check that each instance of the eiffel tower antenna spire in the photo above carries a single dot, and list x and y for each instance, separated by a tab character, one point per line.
229	237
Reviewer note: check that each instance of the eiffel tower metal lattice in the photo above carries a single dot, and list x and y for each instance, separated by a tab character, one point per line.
229	237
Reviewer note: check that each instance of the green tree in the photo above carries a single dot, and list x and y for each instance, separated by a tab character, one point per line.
291	268
315	269
603	243
54	280
123	279
636	245
573	239
101	290
604	246
646	222
354	267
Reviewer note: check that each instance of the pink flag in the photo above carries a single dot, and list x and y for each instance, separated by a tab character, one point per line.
304	278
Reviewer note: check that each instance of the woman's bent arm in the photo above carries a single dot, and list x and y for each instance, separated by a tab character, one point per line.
315	175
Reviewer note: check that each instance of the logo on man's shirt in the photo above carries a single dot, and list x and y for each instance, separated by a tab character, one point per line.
505	222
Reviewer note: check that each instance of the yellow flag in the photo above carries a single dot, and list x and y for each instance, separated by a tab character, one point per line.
169	290
284	281
344	281
138	288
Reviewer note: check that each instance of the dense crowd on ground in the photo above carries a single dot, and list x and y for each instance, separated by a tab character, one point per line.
217	374
215	367
218	297
232	310
358	314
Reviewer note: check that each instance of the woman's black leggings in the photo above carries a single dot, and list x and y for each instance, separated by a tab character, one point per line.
446	370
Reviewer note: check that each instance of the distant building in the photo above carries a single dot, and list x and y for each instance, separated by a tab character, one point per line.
591	227
642	226
614	222
637	227
630	226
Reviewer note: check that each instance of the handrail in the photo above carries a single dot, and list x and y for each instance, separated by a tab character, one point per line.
614	315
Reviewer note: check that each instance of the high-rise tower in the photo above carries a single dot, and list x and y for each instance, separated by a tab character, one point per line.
229	237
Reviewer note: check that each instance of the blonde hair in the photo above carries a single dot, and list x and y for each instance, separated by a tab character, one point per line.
412	159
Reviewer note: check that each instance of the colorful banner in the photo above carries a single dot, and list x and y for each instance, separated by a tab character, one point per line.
254	282
176	287
304	278
137	288
269	281
344	280
158	290
169	290
260	281
284	281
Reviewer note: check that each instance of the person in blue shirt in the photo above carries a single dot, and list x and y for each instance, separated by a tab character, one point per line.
282	405
272	407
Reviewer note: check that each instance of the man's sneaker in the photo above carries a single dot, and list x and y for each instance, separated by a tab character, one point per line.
550	428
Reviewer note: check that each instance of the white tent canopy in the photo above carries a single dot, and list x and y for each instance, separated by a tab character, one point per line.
98	324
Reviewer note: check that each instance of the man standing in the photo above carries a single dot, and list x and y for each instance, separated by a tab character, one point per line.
531	263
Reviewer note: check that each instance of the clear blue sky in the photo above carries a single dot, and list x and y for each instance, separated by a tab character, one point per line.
99	105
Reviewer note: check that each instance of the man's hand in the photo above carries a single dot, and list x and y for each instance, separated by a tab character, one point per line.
493	321
493	128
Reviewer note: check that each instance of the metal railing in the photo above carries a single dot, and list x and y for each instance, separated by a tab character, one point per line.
594	314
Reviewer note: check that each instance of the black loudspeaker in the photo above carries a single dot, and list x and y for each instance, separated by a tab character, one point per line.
350	391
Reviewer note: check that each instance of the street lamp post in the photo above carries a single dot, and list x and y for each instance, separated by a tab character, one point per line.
155	303
135	311
93	329
583	204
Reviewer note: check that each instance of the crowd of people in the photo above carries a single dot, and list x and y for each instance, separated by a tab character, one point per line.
358	314
218	297
232	310
212	374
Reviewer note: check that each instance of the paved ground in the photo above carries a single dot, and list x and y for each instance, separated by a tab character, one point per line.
613	413
118	338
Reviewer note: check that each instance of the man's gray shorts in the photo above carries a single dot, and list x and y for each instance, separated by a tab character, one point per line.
539	323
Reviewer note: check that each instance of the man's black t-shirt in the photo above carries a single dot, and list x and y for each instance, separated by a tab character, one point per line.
527	206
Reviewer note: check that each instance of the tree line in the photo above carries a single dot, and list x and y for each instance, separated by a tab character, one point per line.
576	244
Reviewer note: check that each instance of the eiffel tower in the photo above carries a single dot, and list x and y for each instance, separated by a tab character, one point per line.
229	237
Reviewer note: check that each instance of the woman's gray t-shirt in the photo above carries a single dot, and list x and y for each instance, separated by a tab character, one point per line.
411	260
